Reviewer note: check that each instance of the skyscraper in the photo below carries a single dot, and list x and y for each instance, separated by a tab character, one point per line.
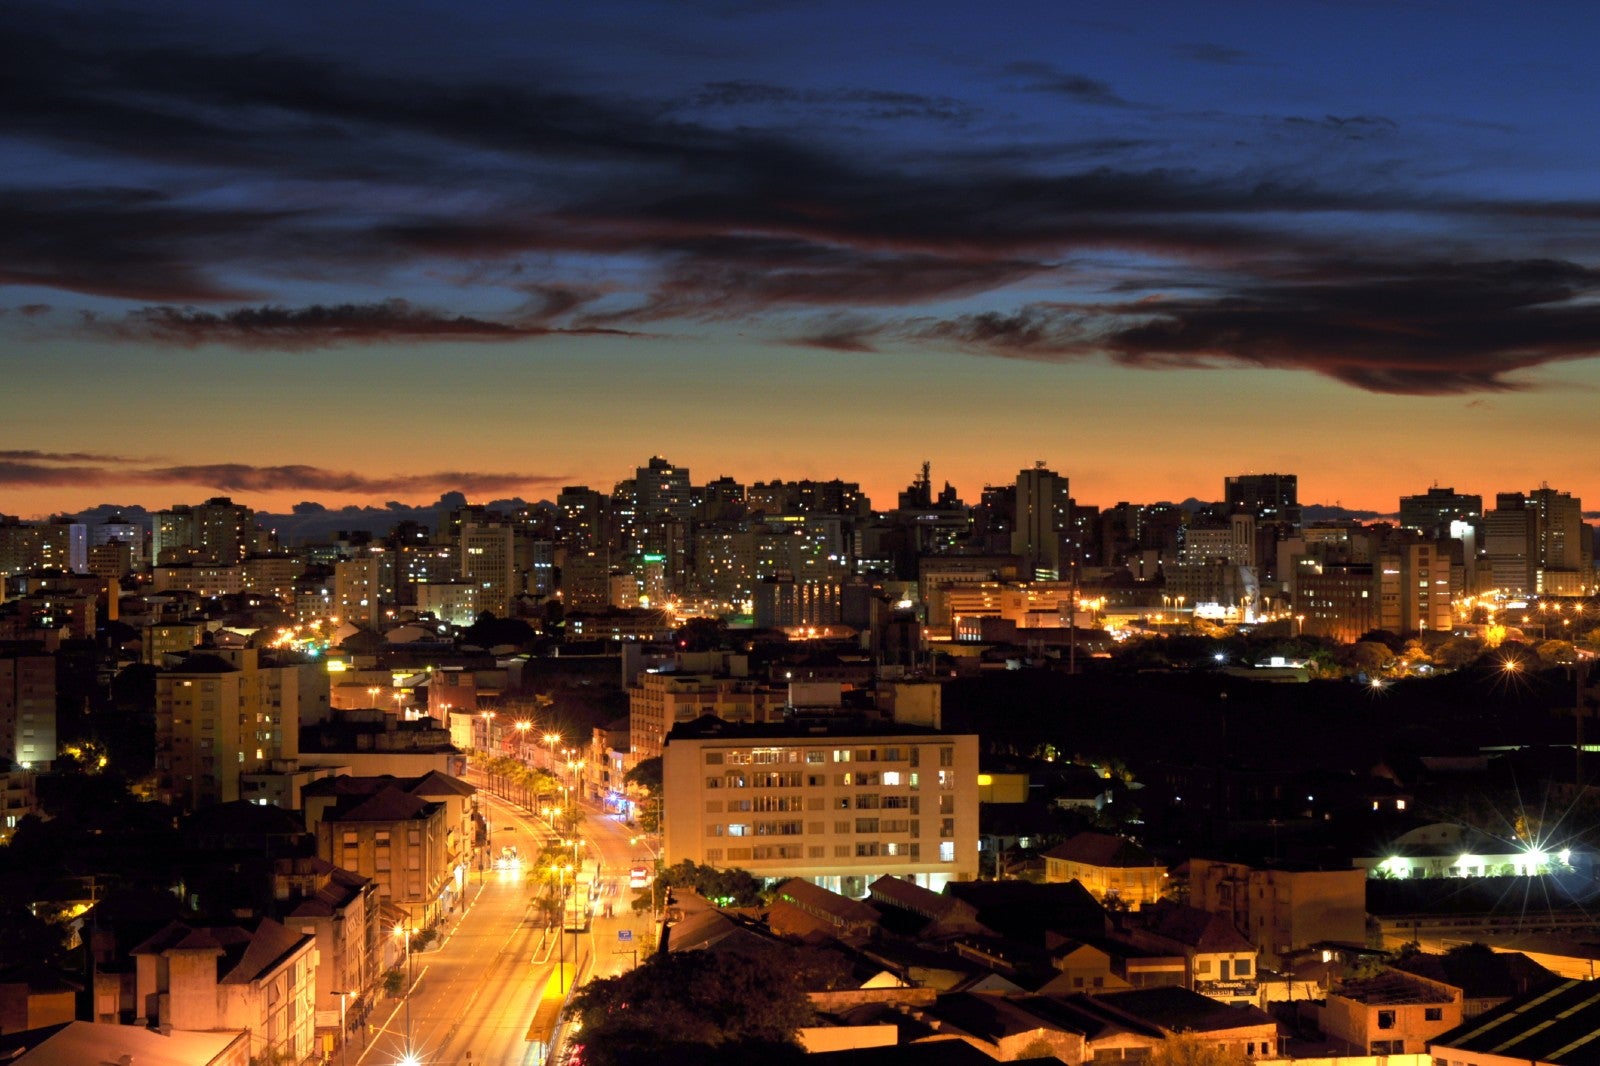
1270	497
1043	512
487	563
1434	510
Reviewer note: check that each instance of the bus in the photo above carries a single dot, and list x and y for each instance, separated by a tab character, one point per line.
579	905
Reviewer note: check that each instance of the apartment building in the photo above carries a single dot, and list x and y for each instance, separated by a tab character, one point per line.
222	713
693	685
837	800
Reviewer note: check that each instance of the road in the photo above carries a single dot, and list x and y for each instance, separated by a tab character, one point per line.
474	994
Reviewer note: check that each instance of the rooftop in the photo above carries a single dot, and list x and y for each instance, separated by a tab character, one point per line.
1391	987
1560	1026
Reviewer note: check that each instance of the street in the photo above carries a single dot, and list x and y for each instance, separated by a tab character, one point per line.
475	992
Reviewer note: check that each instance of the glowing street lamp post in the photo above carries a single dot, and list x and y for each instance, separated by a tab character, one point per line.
410	1056
561	929
344	1030
655	880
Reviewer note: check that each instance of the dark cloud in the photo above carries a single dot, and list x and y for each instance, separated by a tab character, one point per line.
361	172
1039	77
1421	328
32	456
130	243
717	277
242	477
873	103
839	333
34	475
298	328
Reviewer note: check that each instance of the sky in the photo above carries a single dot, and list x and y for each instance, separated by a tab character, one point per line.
357	253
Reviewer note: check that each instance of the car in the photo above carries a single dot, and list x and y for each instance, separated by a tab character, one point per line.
638	877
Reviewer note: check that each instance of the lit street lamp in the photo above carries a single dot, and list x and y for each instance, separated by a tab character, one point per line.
655	881
561	929
410	1058
344	1030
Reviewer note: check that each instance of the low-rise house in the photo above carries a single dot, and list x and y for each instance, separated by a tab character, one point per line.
1005	1028
942	916
1393	1013
1115	870
260	978
1084	968
1557	1026
81	1043
1111	1027
1281	910
1487	978
398	840
34	996
1028	913
341	910
807	911
1218	961
1240	1030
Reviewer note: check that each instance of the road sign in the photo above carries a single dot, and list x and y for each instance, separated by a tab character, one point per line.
624	934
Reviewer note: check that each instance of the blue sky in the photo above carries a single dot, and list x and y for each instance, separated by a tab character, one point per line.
361	252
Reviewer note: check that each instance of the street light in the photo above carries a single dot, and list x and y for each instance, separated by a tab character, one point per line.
655	879
575	768
561	929
344	1030
410	1058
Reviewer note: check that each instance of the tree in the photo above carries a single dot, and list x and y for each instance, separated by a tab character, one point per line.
695	1006
729	888
1456	652
702	634
1370	657
1556	653
1186	1049
646	777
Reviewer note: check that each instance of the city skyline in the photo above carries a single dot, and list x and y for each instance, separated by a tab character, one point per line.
360	255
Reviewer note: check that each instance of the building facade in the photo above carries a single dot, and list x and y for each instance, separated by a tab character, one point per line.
837	801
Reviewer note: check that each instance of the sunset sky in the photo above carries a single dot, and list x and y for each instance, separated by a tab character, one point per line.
354	253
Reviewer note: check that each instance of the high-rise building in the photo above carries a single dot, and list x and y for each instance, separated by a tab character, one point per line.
1511	544
722	500
580	518
1043	513
27	706
218	531
224	532
364	587
1414	588
1270	497
838	801
221	713
488	558
27	548
1564	542
663	491
1537	542
1433	511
